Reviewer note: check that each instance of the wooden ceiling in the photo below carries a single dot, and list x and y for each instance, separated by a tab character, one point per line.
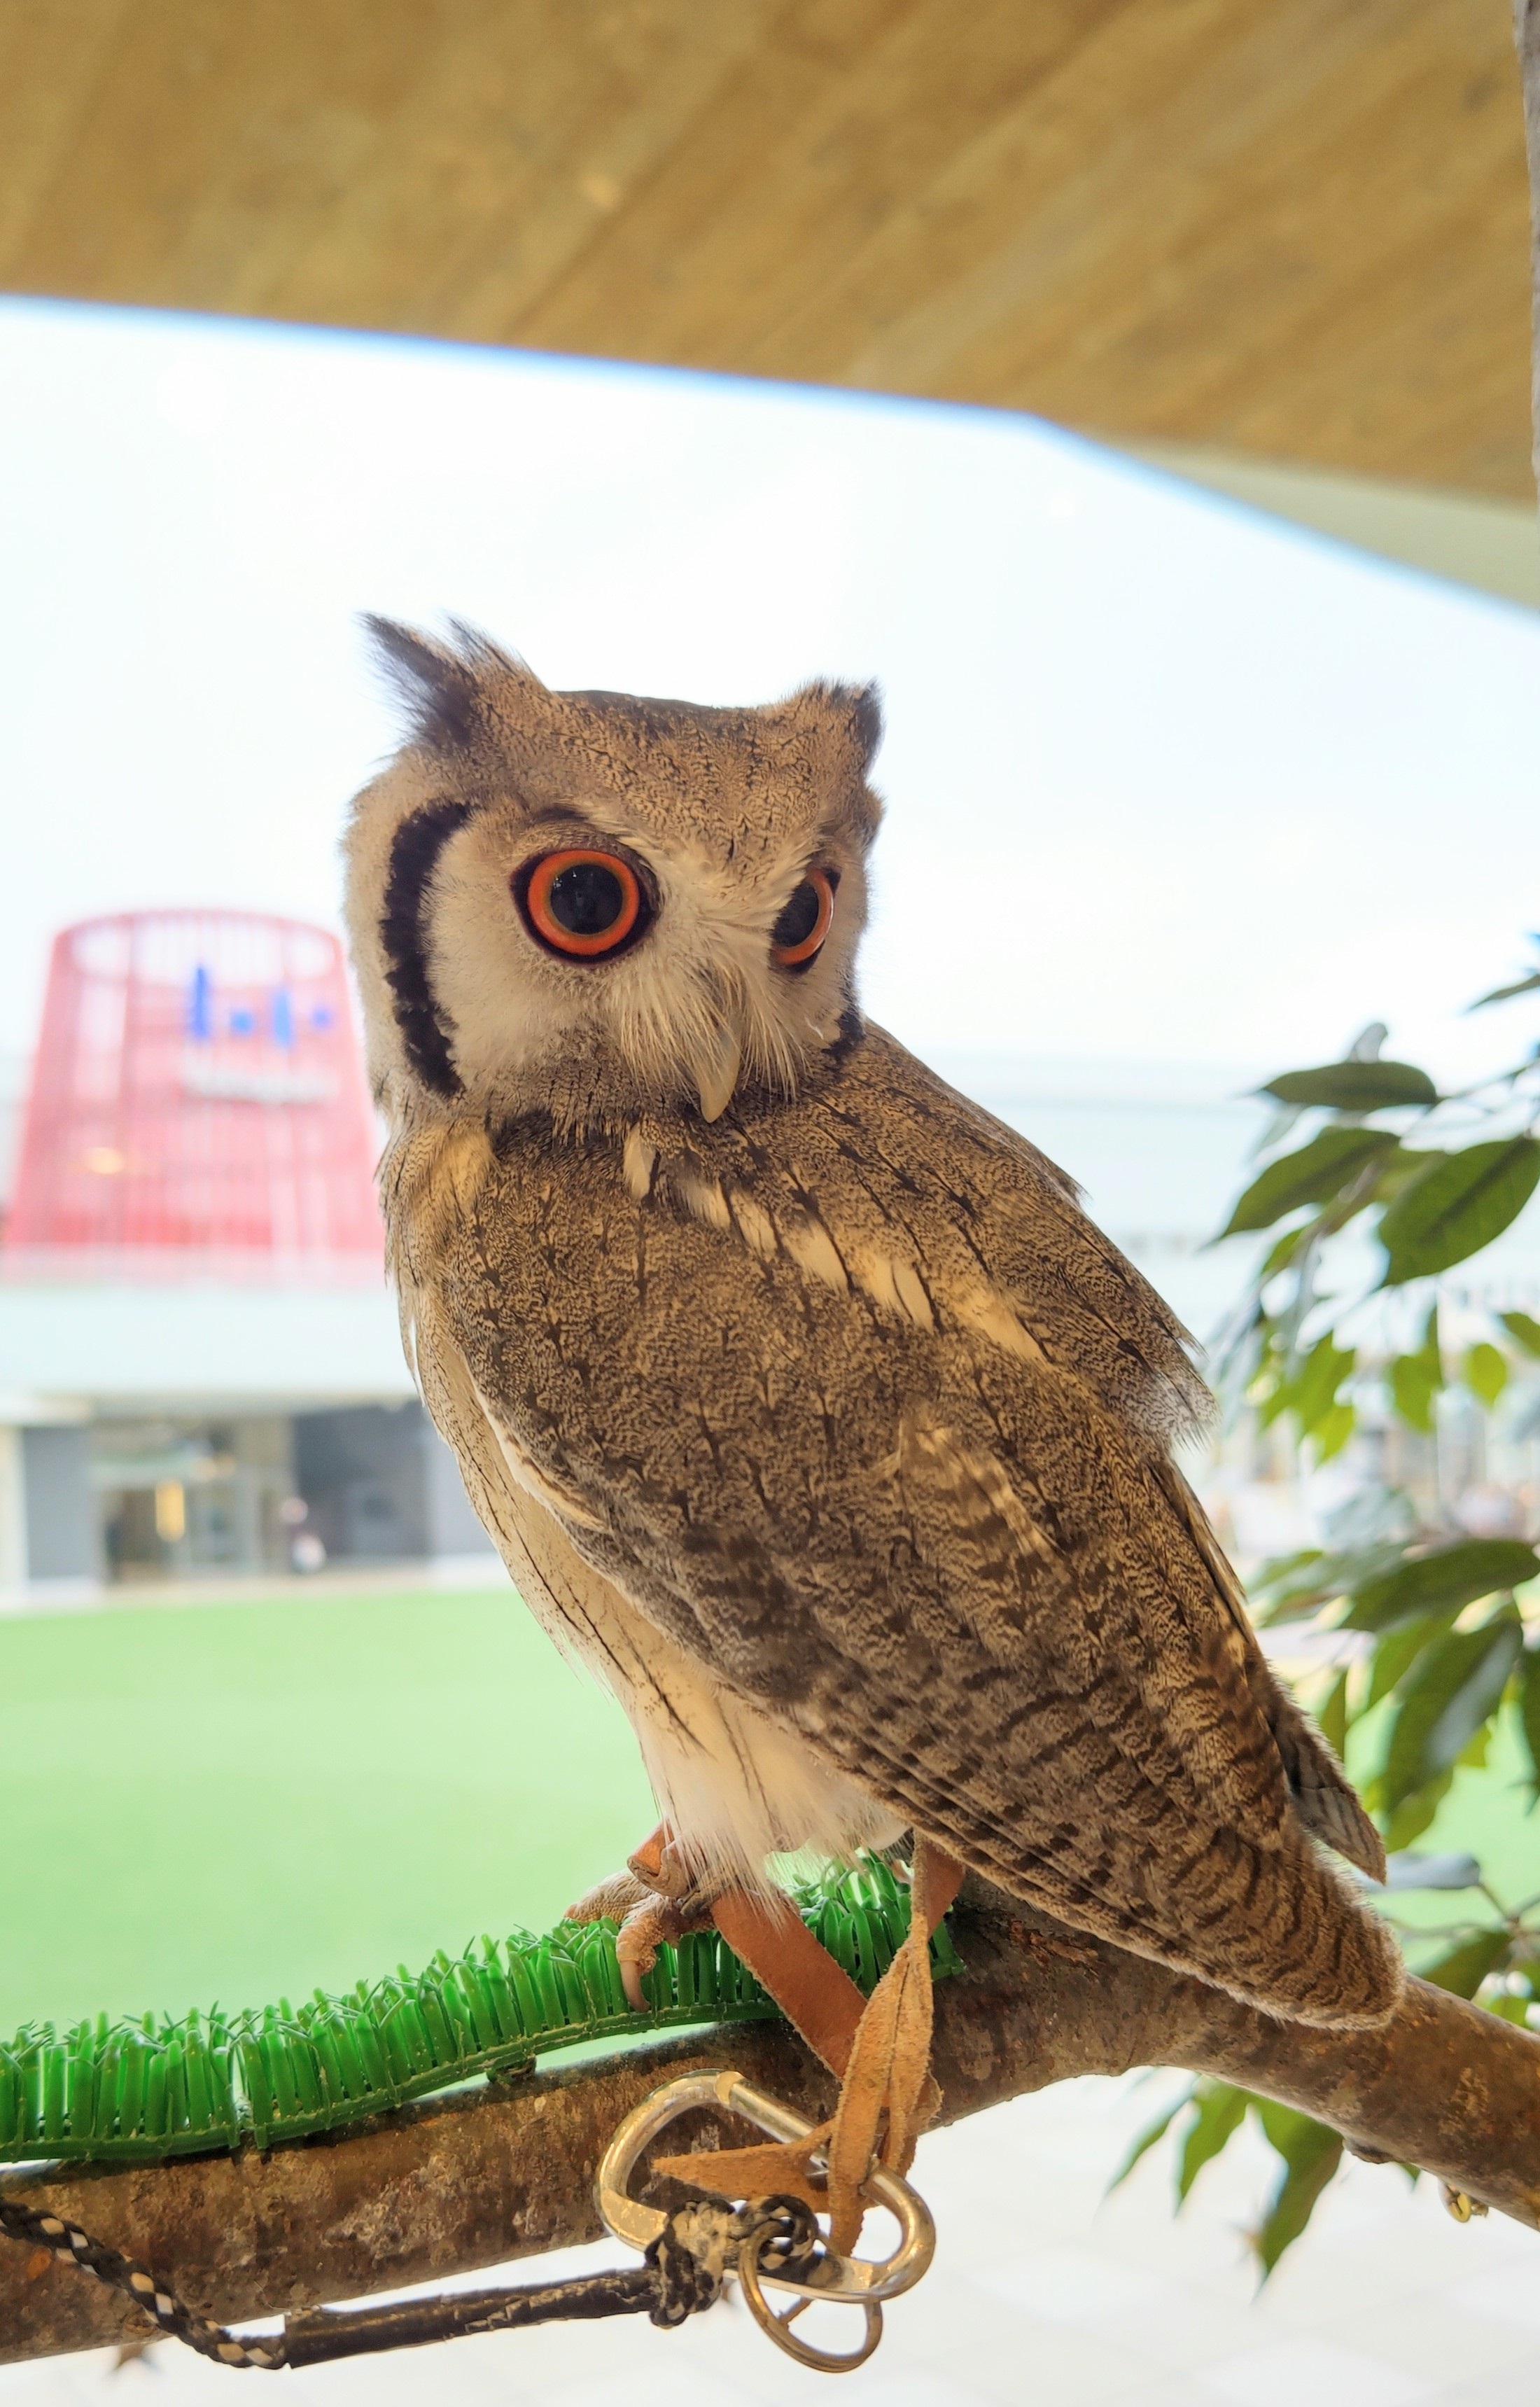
1295	229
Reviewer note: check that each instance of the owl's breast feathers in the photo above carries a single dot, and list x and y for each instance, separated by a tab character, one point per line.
852	1400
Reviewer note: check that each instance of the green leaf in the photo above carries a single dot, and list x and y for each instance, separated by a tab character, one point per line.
1476	1748
1453	1691
1284	1573
1222	2111
1311	2154
1148	2136
1355	1087
1412	1388
1417	1378
1512	2008
1529	1711
1442	1581
1291	1586
1331	1432
1283	1249
1401	1169
1313	1389
1457	1206
1311	1394
1410	1821
1486	1373
1465	1967
1317	1173
1522	1329
1400	1648
1331	1720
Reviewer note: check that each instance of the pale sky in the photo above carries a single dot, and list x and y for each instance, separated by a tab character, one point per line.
1166	781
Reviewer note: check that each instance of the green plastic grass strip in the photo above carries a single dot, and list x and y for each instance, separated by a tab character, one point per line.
133	2091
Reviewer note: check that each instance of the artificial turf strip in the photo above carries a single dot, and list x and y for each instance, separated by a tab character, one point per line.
155	2088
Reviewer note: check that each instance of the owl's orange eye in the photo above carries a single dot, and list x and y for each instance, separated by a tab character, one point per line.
581	902
797	937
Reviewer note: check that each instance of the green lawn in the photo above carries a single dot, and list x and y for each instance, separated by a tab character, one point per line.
240	1802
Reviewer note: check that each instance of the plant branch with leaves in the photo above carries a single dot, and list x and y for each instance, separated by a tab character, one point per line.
1426	1630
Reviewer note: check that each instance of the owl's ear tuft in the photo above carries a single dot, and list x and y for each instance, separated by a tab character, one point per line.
850	712
442	686
865	703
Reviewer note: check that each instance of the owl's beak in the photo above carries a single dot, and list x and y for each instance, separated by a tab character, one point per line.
715	1065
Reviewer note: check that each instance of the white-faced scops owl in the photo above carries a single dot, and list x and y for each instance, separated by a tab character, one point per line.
805	1404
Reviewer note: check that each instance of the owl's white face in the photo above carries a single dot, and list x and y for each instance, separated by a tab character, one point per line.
557	902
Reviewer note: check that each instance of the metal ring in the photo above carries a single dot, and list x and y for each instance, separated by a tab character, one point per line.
778	2328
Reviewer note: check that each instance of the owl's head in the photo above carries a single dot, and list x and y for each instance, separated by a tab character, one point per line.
601	905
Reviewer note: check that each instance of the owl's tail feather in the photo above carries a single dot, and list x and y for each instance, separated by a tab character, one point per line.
1274	1927
1308	1949
1322	1794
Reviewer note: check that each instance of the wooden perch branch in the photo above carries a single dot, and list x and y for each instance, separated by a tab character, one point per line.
496	2173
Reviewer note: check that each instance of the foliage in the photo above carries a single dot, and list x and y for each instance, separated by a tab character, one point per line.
1427	1630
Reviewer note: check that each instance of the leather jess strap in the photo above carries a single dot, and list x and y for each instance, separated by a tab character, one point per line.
812	1991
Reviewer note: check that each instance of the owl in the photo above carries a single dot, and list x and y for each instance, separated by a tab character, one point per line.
807	1408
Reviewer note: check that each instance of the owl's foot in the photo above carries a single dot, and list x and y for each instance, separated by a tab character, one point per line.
646	1929
654	1900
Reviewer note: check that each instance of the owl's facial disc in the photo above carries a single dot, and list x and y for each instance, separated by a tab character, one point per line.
583	961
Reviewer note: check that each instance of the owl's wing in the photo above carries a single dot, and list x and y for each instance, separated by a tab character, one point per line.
863	1414
1322	1794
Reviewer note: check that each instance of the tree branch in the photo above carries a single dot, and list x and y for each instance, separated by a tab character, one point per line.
489	2175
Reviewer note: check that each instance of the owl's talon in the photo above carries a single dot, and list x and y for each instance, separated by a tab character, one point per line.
647	1928
635	1952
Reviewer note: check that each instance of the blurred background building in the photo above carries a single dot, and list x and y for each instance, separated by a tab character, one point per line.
200	1369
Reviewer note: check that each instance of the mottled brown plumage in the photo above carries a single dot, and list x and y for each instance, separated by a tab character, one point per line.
805	1401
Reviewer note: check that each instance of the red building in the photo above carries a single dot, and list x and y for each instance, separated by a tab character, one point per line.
197	1108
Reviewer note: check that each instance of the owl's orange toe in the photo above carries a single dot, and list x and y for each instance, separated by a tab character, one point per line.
609	1901
654	1900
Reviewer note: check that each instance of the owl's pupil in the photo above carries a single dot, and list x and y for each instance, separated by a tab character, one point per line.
586	899
799	919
